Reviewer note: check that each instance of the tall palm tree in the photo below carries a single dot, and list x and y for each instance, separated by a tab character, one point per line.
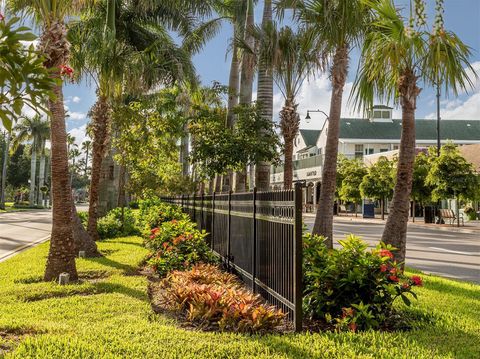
338	26
51	15
295	59
43	160
264	97
70	142
246	80
86	145
131	51
37	130
395	58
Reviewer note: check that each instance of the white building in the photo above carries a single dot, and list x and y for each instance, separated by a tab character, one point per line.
360	137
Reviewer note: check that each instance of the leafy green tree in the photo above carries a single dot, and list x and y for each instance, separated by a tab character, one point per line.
421	191
18	171
24	81
396	57
451	176
353	173
379	182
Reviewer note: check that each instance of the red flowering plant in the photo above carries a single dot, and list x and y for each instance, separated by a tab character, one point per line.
66	71
177	244
352	284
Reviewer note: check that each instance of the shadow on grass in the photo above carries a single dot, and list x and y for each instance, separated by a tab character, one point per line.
127	269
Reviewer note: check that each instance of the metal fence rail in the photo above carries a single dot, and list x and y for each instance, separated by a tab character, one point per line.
258	235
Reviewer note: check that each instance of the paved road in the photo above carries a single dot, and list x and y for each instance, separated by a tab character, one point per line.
449	254
19	230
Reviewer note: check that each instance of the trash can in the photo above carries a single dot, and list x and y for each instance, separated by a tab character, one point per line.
368	210
429	214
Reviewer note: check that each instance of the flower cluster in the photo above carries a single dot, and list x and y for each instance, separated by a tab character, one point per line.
66	71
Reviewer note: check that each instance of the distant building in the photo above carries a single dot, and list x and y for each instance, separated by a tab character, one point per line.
360	137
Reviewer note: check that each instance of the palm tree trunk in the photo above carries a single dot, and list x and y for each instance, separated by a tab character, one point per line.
33	170
395	232
265	101
41	179
83	241
324	220
4	172
246	85
289	124
100	115
86	161
61	256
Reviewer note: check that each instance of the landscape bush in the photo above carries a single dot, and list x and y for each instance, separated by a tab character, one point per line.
177	244
352	287
210	296
153	212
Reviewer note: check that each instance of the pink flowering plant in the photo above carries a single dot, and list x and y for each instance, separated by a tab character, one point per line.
353	288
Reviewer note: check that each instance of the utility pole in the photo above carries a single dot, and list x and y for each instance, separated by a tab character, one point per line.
438	120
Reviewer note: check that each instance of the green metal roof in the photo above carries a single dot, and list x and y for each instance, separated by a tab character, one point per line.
310	136
381	107
425	129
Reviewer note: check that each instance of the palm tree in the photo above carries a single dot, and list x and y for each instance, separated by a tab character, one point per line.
295	59
37	130
43	159
264	97
51	14
395	58
338	26
131	52
70	142
86	148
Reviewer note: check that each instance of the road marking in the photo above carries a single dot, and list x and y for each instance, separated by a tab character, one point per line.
23	247
456	252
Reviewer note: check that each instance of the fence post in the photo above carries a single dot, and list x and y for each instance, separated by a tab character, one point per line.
194	218
254	240
229	227
202	213
212	233
297	258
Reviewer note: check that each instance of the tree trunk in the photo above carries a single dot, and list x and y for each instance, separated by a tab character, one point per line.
218	183
233	83
100	115
184	151
382	207
61	256
121	200
324	220
86	161
41	180
289	124
83	241
395	232
33	170
4	172
265	102
246	85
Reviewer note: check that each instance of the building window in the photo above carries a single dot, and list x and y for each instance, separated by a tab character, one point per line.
377	114
385	114
383	149
395	147
368	151
358	151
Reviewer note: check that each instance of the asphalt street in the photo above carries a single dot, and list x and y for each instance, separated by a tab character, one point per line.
446	253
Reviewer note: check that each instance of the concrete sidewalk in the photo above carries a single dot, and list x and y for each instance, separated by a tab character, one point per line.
471	227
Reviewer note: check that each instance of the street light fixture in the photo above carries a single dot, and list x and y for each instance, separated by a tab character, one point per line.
308	118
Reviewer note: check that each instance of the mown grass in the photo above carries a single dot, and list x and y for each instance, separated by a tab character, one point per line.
108	315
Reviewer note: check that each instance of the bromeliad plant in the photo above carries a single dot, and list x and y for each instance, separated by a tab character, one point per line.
177	244
352	287
210	296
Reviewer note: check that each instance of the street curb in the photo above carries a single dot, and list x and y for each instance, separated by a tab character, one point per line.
360	220
23	248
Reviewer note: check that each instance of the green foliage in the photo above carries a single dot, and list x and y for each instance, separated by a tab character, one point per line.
177	244
153	212
23	79
379	181
421	192
117	223
210	296
451	175
352	173
18	170
351	284
217	149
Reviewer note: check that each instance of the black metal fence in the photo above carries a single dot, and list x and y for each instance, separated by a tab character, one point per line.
258	235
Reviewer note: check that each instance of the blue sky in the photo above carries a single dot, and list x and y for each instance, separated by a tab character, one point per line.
212	64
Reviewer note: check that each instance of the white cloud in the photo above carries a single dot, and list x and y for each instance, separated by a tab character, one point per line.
80	134
466	108
76	99
77	116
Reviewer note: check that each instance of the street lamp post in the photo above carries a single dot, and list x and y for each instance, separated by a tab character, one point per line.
438	120
308	118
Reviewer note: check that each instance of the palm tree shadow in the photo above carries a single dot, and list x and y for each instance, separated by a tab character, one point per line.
106	287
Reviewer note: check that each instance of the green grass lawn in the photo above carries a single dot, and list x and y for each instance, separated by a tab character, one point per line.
108	315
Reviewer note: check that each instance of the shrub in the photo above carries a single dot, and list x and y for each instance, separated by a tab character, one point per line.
153	213
210	296
470	212
177	244
111	225
352	286
83	215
